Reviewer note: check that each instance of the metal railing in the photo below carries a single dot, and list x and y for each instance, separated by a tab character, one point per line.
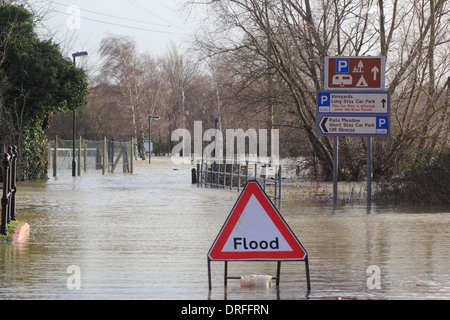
9	162
235	174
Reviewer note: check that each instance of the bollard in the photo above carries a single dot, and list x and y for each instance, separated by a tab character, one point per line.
197	177
5	196
193	176
55	158
13	181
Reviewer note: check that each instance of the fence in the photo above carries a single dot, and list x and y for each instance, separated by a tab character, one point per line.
235	174
9	162
105	156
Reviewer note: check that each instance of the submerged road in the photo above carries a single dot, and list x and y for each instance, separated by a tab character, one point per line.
146	236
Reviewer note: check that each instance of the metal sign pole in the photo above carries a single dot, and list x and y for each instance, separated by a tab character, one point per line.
369	174
335	171
149	140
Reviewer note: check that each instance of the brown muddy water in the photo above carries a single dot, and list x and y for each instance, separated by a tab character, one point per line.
146	236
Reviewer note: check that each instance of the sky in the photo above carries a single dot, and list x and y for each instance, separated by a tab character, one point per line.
80	25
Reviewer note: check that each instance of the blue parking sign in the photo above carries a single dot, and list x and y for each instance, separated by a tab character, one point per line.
342	66
383	123
324	99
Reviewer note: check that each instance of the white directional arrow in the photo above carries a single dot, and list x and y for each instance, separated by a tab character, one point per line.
375	71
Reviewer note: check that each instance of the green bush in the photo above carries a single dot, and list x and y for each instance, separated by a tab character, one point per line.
36	81
33	164
426	183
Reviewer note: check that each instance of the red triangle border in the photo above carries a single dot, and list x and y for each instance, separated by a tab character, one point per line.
253	188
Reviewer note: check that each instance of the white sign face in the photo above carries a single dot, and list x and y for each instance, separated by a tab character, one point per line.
353	102
354	125
255	231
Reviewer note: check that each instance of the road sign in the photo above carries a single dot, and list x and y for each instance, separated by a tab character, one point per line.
335	125
354	73
353	102
255	230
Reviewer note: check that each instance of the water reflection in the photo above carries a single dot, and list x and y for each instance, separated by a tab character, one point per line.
146	237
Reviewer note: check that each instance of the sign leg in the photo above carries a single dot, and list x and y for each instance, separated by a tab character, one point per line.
225	277
308	281
278	272
209	274
369	174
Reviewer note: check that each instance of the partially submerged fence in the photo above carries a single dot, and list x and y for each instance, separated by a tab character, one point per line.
105	156
235	174
9	163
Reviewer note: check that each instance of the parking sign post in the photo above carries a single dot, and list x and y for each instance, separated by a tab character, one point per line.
353	103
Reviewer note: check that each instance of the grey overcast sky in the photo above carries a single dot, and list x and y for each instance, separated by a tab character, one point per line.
81	25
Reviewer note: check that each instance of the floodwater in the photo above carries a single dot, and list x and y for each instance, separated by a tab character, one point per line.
146	236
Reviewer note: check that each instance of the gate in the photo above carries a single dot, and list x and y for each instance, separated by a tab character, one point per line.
105	156
9	162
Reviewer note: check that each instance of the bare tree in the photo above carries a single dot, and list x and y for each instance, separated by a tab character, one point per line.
289	39
122	67
177	73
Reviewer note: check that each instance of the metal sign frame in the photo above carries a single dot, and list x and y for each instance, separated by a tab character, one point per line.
371	78
253	188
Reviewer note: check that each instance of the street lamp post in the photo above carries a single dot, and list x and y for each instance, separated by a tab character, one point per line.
150	137
74	161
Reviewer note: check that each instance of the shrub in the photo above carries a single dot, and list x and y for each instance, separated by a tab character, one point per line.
426	183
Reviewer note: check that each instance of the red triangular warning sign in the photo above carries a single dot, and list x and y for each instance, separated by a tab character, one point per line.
255	230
